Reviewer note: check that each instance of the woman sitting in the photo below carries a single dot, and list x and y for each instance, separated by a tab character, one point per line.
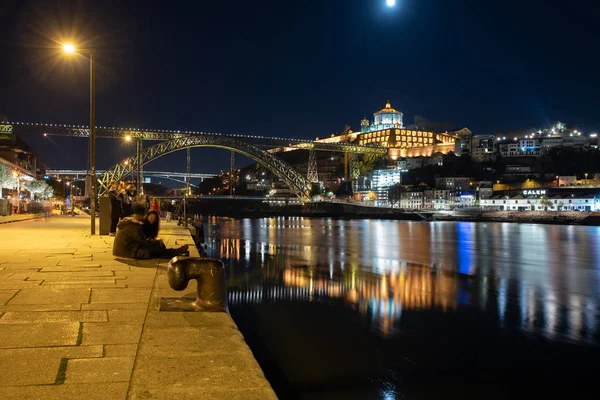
151	225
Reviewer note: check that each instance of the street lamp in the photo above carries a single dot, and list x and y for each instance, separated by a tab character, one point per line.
69	48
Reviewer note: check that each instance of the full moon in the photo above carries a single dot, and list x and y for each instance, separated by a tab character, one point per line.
391	3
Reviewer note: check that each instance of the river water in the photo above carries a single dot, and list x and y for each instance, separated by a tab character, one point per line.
376	309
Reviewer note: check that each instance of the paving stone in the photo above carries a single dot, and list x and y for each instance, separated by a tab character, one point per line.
114	306
194	393
29	369
200	320
88	274
15	285
53	251
55	316
38	366
197	340
120	296
39	335
6	295
120	350
130	316
49	295
78	264
213	371
73	268
116	369
58	351
22	276
112	391
50	279
111	333
40	307
89	286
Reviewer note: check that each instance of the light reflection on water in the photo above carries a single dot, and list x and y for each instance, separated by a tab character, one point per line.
538	279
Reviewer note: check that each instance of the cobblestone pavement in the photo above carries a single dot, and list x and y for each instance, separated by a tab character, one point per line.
76	323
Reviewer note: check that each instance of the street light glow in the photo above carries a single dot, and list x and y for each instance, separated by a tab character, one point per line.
69	48
391	3
128	138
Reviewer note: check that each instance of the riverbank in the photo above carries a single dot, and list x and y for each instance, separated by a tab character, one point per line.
530	217
78	323
256	209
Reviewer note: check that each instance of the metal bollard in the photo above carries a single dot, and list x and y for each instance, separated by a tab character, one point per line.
210	275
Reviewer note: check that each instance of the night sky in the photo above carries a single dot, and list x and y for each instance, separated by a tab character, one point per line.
299	68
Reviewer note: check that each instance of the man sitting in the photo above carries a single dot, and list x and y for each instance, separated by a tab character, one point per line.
130	241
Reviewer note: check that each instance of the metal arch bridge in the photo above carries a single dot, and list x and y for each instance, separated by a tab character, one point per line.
170	141
292	178
157	174
24	128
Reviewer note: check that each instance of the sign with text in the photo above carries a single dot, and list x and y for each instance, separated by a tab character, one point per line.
534	192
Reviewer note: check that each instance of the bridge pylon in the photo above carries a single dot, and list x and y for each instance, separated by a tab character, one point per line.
312	176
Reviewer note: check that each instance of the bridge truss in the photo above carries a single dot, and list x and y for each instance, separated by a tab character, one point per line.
173	140
288	175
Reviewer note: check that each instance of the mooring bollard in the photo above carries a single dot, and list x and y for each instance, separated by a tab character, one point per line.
210	275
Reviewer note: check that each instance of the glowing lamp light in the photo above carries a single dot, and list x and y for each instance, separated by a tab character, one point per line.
69	48
390	3
128	138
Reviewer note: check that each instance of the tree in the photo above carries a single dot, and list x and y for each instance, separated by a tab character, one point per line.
38	188
7	178
546	203
395	194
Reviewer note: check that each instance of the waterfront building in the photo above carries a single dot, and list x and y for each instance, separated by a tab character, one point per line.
408	164
381	180
435	159
388	130
483	154
413	199
458	184
483	148
485	189
521	148
537	200
444	199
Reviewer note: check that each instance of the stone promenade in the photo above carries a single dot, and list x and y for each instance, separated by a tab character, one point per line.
76	323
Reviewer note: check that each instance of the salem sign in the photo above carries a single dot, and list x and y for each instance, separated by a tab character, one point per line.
534	192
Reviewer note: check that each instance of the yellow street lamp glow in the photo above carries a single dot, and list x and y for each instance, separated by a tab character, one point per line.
69	48
128	138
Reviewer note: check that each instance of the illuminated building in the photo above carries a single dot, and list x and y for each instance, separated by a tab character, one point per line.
384	119
536	200
388	130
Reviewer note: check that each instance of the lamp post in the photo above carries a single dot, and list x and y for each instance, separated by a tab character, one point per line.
70	49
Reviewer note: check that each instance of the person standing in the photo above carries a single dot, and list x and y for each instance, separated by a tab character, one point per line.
127	201
169	208
155	206
147	203
15	203
116	207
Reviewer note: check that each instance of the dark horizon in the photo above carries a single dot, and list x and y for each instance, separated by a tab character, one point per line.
298	70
